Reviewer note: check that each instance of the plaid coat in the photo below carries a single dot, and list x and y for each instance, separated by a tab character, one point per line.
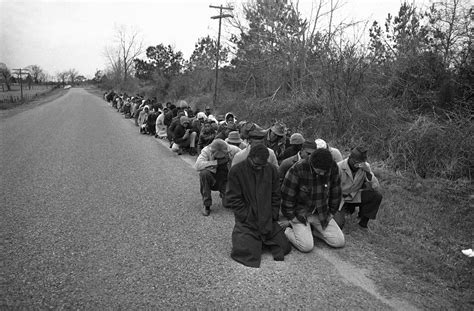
304	192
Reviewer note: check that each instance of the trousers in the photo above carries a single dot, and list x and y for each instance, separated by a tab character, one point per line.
301	235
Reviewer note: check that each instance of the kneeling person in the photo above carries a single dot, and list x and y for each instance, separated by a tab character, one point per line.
253	192
311	194
213	164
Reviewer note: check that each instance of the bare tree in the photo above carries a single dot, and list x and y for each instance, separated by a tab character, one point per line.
62	76
5	75
72	75
128	45
36	73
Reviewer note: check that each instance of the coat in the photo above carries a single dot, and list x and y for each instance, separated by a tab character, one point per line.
352	185
286	164
205	160
254	196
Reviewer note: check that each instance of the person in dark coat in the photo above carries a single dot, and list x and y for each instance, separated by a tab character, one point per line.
253	193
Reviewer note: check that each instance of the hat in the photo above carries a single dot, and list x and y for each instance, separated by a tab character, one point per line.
309	144
321	143
182	104
257	133
279	129
201	115
218	147
146	107
234	137
296	139
208	108
359	153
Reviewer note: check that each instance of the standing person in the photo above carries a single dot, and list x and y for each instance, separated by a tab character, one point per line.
213	165
360	187
311	194
253	193
276	139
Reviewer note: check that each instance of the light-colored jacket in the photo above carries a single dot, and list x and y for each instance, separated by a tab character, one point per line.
206	160
243	154
353	185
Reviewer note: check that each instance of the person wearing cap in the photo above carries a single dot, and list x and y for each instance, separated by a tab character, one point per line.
256	136
360	187
234	139
207	111
276	138
213	164
253	193
311	194
184	137
142	120
336	154
296	143
307	149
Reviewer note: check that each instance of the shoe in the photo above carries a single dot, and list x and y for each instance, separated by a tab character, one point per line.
206	210
363	222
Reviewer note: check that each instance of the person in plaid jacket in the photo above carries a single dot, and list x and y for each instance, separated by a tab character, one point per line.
311	194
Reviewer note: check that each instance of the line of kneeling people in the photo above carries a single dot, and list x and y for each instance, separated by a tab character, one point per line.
283	189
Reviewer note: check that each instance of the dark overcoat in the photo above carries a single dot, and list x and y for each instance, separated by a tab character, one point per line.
254	196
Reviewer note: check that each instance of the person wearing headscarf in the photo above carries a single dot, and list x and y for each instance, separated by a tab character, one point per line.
360	187
142	120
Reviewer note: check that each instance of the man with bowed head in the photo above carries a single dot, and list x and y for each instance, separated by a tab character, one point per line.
253	193
360	187
311	194
213	164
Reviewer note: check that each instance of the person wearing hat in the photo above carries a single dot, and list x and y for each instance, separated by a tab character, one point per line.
310	196
234	139
184	137
296	143
276	138
336	154
142	120
256	136
307	148
253	193
213	164
207	111
360	187
227	126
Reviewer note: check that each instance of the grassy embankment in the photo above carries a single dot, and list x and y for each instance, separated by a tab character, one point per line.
414	247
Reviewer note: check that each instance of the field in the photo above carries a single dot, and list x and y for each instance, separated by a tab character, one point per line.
14	95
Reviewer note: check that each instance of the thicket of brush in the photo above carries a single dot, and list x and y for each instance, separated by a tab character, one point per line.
407	94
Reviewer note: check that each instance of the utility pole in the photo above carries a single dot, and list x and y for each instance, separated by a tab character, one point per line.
19	73
220	17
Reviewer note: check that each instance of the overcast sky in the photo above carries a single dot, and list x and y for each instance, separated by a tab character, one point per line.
60	35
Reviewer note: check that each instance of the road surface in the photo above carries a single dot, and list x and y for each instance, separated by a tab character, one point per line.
97	216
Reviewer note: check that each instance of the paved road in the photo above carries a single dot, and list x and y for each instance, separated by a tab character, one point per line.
95	215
